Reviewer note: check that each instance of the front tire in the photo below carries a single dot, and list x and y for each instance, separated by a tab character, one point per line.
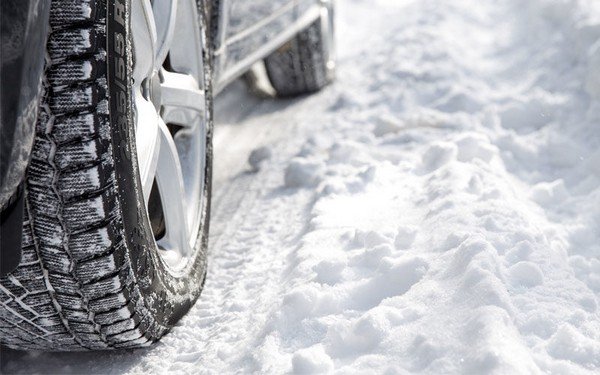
103	265
306	63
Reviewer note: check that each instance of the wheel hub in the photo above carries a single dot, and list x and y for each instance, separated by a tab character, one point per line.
154	88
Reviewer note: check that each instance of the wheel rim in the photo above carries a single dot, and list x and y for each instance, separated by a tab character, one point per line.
170	120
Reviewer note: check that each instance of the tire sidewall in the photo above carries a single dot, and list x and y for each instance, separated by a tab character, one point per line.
167	296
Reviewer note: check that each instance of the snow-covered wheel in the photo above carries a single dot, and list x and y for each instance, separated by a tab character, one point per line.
306	63
118	189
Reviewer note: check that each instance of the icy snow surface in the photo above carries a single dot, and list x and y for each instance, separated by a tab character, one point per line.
437	210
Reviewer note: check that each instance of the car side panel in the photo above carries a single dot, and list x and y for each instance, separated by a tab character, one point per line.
245	41
244	14
304	6
242	25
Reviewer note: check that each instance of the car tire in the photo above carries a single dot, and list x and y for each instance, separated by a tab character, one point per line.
95	274
306	63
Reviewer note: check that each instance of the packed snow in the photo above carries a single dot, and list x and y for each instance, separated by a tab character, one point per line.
436	210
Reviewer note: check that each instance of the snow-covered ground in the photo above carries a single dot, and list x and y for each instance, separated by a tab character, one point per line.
437	210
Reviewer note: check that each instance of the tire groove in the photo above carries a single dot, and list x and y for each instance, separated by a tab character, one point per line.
66	231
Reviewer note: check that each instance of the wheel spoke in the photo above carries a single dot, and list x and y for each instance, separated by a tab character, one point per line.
144	40
171	188
165	16
186	48
147	141
182	99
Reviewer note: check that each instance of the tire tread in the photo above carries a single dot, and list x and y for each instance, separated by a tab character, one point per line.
74	290
299	66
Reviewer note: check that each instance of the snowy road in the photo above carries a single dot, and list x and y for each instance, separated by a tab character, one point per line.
437	210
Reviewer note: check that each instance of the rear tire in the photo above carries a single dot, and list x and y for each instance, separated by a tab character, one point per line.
306	63
91	275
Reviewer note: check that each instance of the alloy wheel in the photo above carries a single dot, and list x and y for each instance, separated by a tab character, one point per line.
171	122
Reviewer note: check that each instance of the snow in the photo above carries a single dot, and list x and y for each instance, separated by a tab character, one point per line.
436	210
258	156
312	360
302	173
